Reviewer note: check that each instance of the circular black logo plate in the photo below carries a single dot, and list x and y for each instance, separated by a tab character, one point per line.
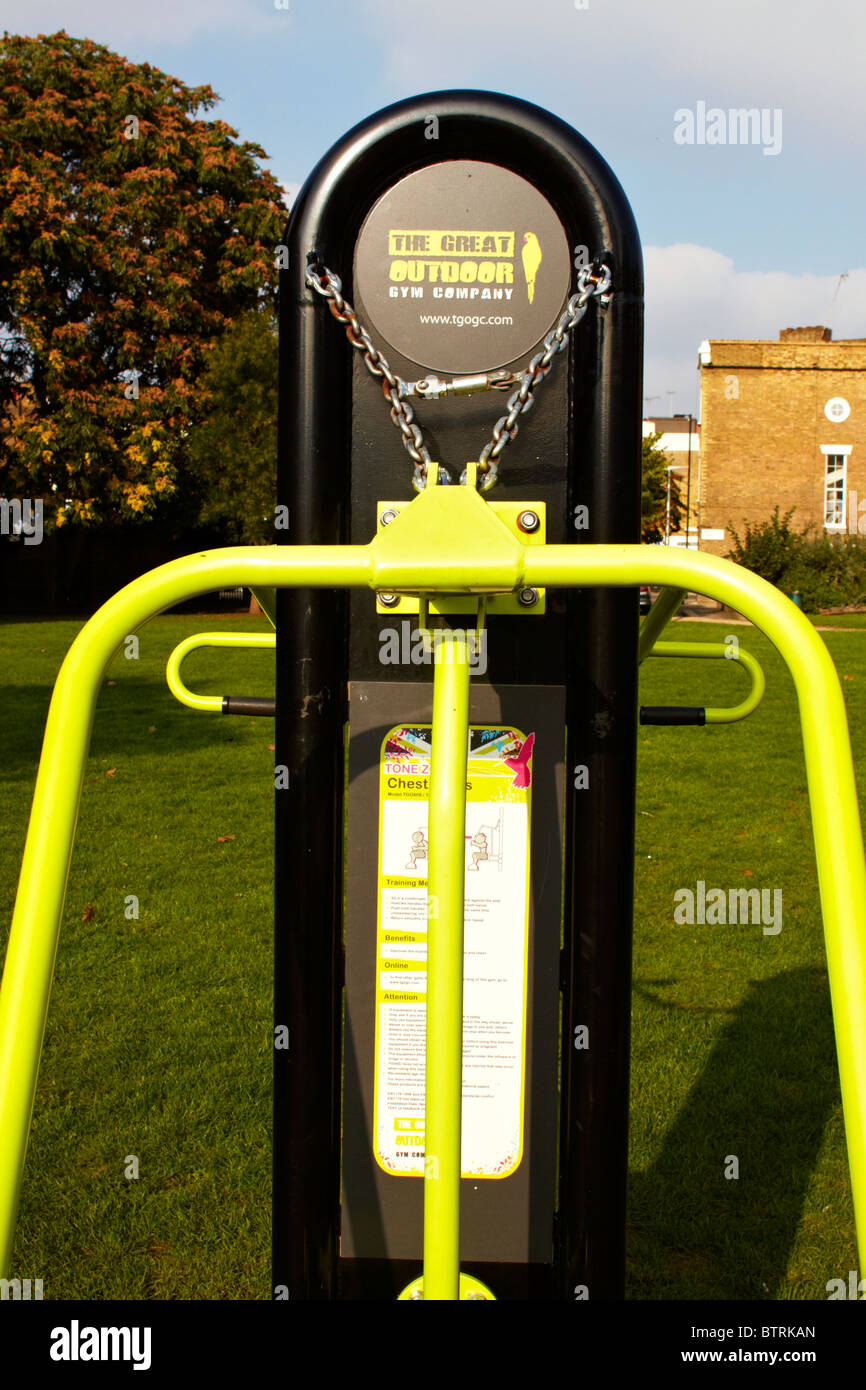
462	267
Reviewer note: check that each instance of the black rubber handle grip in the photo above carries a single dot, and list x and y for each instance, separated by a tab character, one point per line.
249	704
673	714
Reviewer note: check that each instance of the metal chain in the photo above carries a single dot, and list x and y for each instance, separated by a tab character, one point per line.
589	285
592	283
330	286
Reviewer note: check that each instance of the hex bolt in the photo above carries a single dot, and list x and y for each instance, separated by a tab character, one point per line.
527	598
529	522
389	600
388	516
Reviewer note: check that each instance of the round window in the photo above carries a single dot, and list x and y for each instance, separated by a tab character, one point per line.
837	409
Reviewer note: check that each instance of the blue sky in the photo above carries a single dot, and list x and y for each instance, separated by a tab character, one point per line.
737	242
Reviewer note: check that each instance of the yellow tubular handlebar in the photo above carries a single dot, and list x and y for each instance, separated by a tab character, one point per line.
450	541
724	714
208	639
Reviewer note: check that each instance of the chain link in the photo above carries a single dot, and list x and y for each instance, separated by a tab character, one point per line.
330	286
591	283
589	286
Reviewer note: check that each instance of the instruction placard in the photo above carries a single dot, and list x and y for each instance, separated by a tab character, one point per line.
496	867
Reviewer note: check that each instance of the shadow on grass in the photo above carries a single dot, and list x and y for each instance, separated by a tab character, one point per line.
123	715
764	1097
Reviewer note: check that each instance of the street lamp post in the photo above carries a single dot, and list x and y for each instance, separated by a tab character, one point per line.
671	468
690	419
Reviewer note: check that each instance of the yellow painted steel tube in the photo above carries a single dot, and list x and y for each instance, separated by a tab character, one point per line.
439	555
266	597
42	885
657	620
208	639
829	770
445	892
724	714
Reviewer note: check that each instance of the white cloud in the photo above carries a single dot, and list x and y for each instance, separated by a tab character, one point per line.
694	292
116	24
635	58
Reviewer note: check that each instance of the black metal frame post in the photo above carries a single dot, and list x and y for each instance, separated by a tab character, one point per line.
597	435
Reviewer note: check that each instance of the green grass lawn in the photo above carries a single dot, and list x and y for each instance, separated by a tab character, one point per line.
733	1050
159	1029
159	1032
843	620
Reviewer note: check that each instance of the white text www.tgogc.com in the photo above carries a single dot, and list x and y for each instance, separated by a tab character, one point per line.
466	320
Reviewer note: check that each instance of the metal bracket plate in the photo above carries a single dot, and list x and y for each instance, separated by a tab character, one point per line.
525	601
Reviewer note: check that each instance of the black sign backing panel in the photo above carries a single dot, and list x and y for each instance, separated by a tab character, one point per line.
579	447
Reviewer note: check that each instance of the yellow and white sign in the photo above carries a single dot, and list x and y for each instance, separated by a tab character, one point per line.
496	871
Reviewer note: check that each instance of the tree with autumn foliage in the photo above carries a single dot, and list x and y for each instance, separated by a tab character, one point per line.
133	232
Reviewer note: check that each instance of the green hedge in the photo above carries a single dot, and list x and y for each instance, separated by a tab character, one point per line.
826	570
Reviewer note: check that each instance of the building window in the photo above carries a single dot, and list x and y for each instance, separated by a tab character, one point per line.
837	409
834	492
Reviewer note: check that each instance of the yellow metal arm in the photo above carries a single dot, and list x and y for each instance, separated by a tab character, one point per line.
208	639
452	543
718	650
657	619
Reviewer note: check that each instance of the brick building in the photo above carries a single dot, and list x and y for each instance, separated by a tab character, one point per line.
782	423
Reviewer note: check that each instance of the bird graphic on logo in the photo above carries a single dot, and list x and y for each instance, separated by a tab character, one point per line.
531	255
519	764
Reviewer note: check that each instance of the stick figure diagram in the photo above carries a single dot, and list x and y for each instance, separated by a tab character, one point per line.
418	849
485	846
478	845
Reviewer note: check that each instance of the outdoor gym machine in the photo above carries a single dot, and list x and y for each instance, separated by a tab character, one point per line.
530	1218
